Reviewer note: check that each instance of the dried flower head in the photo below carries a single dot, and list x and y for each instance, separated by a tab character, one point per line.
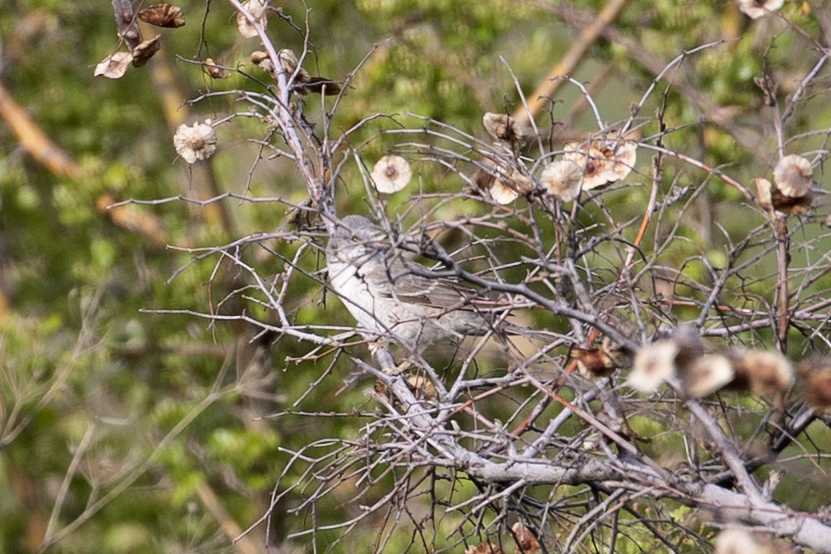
755	9
502	127
794	176
289	61
162	15
653	365
391	174
526	541
762	371
562	179
815	383
114	66
257	9
195	143
705	375
602	161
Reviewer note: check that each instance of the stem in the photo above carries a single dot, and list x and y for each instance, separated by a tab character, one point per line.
784	256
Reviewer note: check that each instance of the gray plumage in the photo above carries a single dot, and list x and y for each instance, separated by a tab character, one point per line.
389	294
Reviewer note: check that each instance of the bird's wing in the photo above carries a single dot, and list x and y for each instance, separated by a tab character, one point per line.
410	285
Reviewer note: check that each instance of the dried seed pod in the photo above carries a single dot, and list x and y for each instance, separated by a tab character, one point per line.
503	127
421	387
391	174
501	193
755	9
163	15
654	364
593	363
763	194
762	371
258	57
381	388
483	548
114	66
621	356
526	541
705	375
214	71
197	142
777	203
145	51
603	161
289	61
562	179
793	176
815	382
257	9
741	541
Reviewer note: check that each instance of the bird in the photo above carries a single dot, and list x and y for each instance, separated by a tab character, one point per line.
392	296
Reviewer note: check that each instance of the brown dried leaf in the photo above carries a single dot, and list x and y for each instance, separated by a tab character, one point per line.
114	66
163	15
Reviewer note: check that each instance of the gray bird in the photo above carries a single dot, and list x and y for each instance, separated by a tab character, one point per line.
390	295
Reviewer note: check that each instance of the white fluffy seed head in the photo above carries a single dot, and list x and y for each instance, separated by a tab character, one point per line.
653	365
197	142
562	179
706	374
391	174
793	176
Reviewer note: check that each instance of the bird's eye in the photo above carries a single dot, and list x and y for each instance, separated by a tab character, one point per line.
356	239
